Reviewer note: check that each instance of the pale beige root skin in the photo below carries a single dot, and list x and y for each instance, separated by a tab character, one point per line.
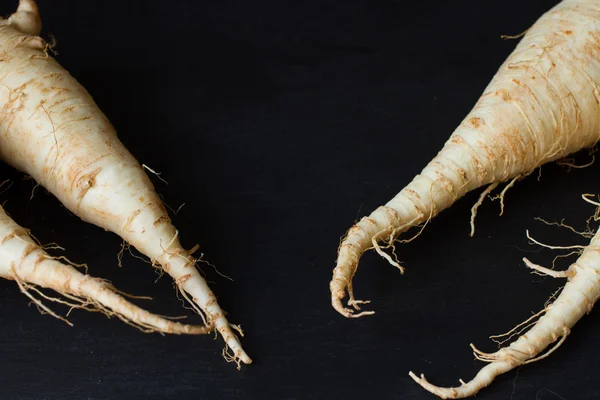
51	129
27	18
576	299
23	260
542	105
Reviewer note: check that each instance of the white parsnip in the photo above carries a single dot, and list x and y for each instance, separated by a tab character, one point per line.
51	129
28	264
542	105
575	300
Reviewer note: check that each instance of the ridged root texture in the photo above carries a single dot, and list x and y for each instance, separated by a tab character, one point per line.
575	300
542	105
23	260
51	129
78	291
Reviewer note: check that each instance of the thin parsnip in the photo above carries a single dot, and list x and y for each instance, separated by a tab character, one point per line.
51	129
542	105
31	267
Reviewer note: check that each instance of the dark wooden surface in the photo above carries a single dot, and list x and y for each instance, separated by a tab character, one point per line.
278	124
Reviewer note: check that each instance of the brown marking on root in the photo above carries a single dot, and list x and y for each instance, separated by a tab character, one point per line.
30	249
503	94
38	260
54	93
413	194
24	85
457	139
13	234
183	279
490	155
481	171
592	47
476	122
68	109
462	173
161	219
58	92
130	220
355	230
370	221
86	182
4	56
447	183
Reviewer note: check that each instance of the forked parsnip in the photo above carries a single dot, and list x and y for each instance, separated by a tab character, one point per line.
575	300
27	263
541	105
51	129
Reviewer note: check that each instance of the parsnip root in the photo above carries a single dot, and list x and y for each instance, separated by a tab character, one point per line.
541	106
51	129
26	262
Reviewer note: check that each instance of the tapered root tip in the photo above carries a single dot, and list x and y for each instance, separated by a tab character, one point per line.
237	356
444	393
111	303
336	302
233	351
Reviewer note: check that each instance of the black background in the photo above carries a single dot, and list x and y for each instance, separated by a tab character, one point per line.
279	123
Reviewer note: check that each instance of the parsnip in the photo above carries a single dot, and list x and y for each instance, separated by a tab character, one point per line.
24	261
51	129
543	104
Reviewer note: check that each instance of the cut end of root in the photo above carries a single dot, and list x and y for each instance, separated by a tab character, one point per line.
27	18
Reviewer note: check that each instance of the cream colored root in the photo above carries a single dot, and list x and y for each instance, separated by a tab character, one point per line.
553	326
27	18
517	36
92	294
540	107
575	300
588	234
576	246
356	303
479	202
503	193
517	330
570	163
586	197
25	261
51	129
547	271
182	267
23	287
157	174
386	256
